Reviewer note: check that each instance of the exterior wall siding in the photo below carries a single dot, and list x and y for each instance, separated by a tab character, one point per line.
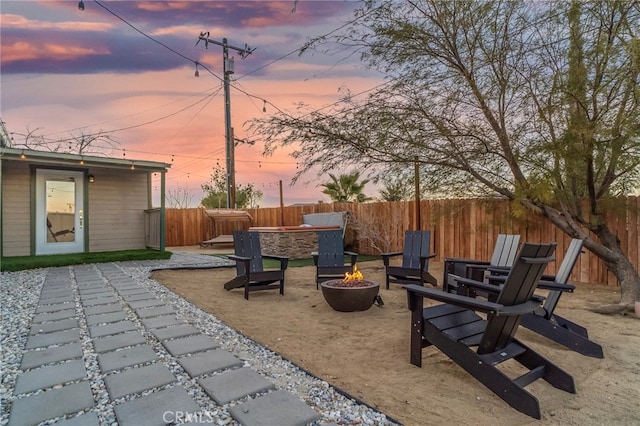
16	200
117	200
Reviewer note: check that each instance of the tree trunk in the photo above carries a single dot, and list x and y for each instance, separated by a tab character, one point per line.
617	262
607	248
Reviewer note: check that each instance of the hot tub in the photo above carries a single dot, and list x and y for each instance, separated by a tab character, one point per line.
296	242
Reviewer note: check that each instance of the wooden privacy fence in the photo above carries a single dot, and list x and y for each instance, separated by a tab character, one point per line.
460	228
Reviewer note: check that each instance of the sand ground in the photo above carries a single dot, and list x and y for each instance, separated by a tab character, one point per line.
367	353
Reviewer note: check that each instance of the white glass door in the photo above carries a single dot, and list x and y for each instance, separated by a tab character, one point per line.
59	211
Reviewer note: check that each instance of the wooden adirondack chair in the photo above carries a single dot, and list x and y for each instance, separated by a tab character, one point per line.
330	257
415	260
455	329
250	270
545	322
504	254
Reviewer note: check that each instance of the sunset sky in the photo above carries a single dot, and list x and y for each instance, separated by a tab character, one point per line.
127	69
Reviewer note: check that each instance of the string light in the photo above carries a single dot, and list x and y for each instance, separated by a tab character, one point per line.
197	73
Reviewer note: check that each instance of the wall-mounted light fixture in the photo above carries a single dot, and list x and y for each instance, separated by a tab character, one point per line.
92	179
22	155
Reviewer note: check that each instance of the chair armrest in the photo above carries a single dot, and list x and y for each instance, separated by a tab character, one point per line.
472	303
522	308
245	260
386	256
424	259
499	269
453	299
554	286
465	261
542	284
284	260
477	285
353	256
479	266
238	258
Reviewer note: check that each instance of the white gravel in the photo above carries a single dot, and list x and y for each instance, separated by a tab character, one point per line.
19	295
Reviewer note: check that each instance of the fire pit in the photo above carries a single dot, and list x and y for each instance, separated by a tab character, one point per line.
352	293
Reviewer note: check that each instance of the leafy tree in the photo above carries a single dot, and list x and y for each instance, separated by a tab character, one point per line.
216	190
534	102
397	189
346	188
247	196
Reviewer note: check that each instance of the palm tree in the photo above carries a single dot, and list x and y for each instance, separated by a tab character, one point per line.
345	188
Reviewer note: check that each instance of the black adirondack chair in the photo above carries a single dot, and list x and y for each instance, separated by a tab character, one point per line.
479	345
545	322
330	257
415	260
249	266
504	254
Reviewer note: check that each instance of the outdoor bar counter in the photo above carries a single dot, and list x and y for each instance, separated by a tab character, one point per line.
296	242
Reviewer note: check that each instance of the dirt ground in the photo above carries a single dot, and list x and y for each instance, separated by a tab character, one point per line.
367	353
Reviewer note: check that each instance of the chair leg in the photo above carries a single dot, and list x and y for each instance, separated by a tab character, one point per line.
416	306
564	332
553	374
486	373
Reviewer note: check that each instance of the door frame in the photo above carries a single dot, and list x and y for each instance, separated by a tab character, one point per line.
40	246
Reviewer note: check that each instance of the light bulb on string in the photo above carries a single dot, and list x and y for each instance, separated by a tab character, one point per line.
197	73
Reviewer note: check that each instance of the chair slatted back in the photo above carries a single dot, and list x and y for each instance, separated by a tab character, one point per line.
416	244
562	275
330	248
518	288
505	250
247	244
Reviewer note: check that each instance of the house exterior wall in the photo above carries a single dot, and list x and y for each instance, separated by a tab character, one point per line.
16	211
117	201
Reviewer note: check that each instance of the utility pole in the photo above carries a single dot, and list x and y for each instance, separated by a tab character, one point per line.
228	130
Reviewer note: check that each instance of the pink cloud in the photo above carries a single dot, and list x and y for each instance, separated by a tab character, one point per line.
22	50
20	22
